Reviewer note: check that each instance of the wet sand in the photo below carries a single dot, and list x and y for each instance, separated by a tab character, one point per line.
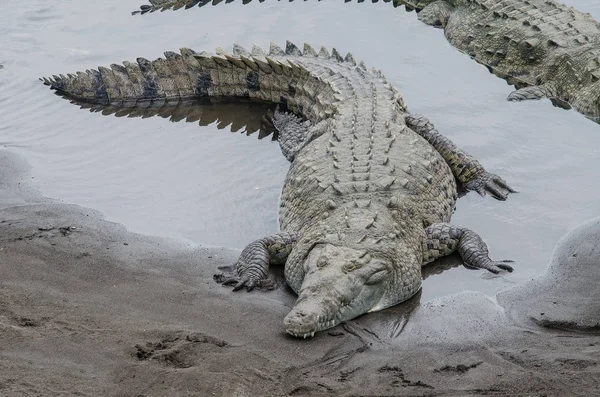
88	308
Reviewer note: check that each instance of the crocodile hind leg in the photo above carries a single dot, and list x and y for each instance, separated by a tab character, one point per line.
533	92
294	133
443	239
468	171
252	267
436	14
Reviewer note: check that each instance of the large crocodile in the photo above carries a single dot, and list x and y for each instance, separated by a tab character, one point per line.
544	48
370	188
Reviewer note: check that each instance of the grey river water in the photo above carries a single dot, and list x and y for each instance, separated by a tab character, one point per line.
212	186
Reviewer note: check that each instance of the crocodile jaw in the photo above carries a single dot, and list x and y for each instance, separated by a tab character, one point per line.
306	318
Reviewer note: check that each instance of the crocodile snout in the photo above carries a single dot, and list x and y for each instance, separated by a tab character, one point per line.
301	323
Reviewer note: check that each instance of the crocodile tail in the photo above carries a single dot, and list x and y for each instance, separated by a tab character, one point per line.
163	5
301	81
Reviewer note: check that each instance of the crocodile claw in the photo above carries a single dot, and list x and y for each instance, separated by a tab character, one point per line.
491	183
494	266
239	282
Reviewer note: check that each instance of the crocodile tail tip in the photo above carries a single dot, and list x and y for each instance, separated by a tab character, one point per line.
55	82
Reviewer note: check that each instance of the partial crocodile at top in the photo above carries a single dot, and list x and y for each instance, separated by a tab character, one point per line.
544	48
370	188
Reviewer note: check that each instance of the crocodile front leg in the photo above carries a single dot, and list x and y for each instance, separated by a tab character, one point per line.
252	267
468	171
443	239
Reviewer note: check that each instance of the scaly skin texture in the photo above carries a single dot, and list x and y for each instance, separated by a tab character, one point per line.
370	188
542	47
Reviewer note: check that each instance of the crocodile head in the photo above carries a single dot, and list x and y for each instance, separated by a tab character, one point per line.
339	283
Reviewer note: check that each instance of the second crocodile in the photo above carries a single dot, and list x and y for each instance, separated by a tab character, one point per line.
370	188
544	48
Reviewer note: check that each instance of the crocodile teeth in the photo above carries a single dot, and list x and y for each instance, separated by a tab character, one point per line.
304	336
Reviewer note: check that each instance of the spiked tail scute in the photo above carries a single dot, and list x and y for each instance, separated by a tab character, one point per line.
349	58
87	86
162	5
309	51
291	49
323	53
336	55
258	51
238	50
275	50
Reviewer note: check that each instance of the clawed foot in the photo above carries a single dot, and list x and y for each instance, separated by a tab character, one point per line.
250	270
491	183
240	282
494	266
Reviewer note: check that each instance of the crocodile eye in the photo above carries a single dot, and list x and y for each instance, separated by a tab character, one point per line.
377	277
379	272
350	267
322	262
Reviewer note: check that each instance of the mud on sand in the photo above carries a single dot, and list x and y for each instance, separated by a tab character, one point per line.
89	309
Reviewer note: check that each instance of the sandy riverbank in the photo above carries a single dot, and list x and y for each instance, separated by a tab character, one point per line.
89	309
